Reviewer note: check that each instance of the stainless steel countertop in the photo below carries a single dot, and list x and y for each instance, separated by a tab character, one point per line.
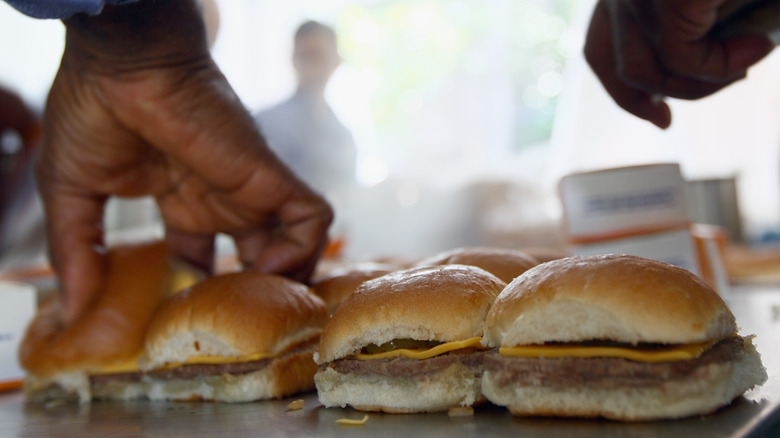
756	414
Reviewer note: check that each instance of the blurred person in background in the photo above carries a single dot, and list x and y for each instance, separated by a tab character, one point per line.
646	50
21	219
138	107
303	130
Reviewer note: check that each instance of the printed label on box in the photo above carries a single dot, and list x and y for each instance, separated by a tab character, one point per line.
610	202
17	307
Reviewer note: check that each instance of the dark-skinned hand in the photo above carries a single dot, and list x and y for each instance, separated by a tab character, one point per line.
138	107
645	50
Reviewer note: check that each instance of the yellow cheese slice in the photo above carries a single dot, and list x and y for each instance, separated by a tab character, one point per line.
423	353
212	360
350	422
128	366
666	354
180	280
132	365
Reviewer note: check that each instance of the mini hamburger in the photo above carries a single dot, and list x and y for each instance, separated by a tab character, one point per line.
64	362
408	341
506	264
614	336
233	338
337	285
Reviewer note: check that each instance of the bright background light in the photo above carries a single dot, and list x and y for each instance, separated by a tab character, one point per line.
465	113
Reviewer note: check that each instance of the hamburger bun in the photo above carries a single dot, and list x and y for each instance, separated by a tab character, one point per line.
620	298
615	301
505	264
440	304
339	283
59	358
271	321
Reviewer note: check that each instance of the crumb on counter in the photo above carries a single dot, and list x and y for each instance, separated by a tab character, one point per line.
461	411
295	405
350	422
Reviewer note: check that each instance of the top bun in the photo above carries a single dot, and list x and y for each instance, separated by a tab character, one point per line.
611	297
112	329
338	284
440	303
234	315
505	264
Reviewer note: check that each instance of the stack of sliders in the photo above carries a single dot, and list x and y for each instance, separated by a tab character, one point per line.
67	362
233	338
408	341
236	337
619	337
505	264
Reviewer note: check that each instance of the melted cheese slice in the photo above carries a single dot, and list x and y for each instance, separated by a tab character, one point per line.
128	366
180	280
423	353
131	365
350	422
215	360
667	354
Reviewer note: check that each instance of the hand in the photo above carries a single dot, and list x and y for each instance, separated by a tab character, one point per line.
645	50
138	107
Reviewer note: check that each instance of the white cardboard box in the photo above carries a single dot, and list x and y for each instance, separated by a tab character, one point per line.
625	201
675	247
17	307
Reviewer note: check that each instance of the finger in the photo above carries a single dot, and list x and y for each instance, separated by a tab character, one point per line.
75	239
600	54
638	63
250	244
195	249
688	51
210	132
198	120
296	245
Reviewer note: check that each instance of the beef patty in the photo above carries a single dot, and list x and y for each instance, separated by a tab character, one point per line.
406	367
604	372
190	371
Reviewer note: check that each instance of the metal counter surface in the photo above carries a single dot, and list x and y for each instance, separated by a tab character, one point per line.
756	414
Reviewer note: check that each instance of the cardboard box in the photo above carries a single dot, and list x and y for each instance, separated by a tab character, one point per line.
676	247
17	308
627	201
642	211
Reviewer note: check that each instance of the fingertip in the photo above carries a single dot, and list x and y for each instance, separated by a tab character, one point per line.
195	249
661	114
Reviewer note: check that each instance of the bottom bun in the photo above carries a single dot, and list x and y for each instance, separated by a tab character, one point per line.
70	386
131	388
715	386
456	385
285	375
